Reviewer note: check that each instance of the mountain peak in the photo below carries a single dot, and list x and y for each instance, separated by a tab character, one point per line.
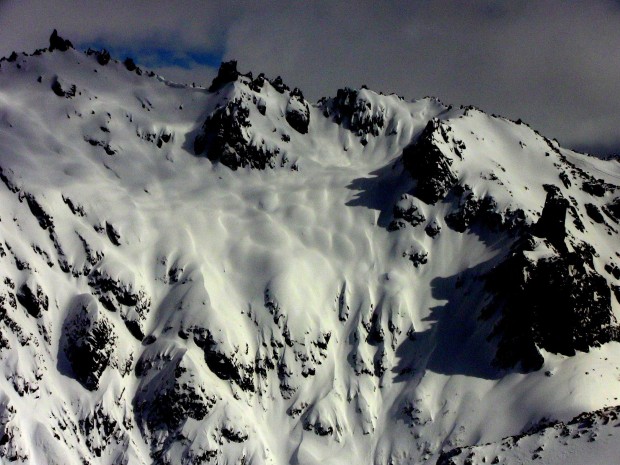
227	72
236	274
58	43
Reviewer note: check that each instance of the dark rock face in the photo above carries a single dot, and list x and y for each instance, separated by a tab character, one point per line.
471	209
552	222
221	364
597	187
171	393
75	207
417	257
103	284
227	73
257	84
297	112
613	270
232	435
45	220
130	65
100	429
58	43
574	307
594	213
355	113
116	295
432	229
318	427
135	328
90	341
406	211
614	209
426	163
103	57
35	301
225	138
112	234
63	89
176	404
279	85
561	304
104	145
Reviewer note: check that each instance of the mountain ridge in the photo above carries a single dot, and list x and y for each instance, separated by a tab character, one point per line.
234	274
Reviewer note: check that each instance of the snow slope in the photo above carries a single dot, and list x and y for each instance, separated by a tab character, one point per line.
236	275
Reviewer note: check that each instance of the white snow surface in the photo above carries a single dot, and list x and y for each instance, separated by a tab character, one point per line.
291	269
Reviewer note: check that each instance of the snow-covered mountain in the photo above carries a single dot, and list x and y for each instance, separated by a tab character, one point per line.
237	275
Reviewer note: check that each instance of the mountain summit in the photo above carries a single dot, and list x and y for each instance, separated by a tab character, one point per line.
234	274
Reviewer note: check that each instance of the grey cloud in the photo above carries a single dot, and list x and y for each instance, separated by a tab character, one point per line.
198	75
555	64
26	24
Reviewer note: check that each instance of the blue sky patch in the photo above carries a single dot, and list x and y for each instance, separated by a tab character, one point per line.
159	57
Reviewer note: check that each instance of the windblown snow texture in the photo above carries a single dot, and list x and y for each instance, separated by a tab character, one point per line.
232	274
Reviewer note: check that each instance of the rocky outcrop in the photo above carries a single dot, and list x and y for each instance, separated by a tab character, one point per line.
432	229
552	222
90	341
171	393
102	56
226	73
597	187
429	166
102	431
11	439
257	83
560	304
113	235
352	111
58	43
33	299
612	209
278	85
101	143
44	219
62	88
406	211
130	65
594	213
224	366
297	112
117	296
177	397
225	138
417	255
484	211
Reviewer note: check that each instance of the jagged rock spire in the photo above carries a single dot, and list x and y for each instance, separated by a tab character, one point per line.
58	43
227	73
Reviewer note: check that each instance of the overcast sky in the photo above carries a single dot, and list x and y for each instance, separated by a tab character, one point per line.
554	64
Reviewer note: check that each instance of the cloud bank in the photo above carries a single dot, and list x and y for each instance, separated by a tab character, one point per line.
555	64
